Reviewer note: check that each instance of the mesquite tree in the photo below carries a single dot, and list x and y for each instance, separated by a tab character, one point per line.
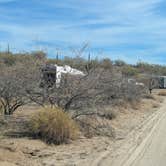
14	83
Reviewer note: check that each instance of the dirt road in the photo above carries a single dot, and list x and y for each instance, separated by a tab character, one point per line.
145	147
154	149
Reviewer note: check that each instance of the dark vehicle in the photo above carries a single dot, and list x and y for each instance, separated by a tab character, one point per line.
158	82
162	82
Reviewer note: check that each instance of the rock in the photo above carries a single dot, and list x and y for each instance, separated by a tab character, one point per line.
83	155
119	135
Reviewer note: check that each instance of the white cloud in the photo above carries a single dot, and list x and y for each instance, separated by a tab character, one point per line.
103	23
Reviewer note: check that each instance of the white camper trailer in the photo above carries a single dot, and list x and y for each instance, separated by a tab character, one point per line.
52	74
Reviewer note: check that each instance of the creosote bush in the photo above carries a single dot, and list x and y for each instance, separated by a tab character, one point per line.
53	125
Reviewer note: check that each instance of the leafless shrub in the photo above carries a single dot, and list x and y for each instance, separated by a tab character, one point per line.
14	81
133	92
99	87
108	113
103	84
94	125
74	92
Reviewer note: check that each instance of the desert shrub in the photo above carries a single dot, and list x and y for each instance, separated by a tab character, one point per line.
129	71
53	126
97	121
95	125
106	63
119	63
7	59
39	55
109	113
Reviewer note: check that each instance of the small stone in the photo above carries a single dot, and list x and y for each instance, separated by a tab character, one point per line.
83	155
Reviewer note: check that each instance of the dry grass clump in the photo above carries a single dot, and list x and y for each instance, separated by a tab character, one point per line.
95	126
53	126
99	123
162	93
109	113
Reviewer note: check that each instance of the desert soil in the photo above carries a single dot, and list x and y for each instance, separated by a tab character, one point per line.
130	132
152	151
144	146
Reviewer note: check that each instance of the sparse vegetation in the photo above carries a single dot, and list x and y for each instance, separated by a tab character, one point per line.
53	125
129	71
15	81
105	84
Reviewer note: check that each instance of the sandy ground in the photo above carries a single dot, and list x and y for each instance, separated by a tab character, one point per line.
128	126
143	146
152	151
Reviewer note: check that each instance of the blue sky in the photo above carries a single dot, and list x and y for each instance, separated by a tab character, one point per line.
131	30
